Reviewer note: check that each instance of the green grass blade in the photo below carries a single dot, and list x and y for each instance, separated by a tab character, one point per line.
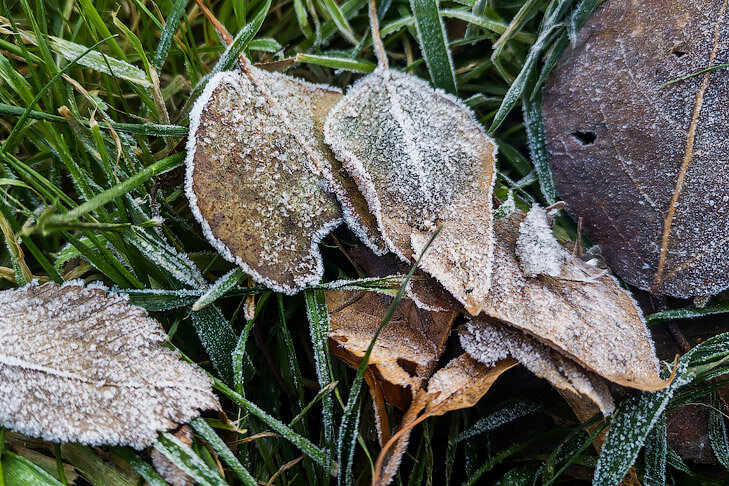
142	468
434	44
241	40
217	338
168	31
223	452
219	288
182	456
536	137
17	470
655	455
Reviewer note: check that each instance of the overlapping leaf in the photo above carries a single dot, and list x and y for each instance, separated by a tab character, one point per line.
581	312
81	365
642	159
421	161
251	176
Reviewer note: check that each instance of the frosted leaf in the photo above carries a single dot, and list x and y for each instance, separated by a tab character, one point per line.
537	249
79	364
583	314
462	383
421	160
252	176
406	350
645	163
488	342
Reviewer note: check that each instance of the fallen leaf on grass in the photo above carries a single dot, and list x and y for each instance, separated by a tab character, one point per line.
582	313
407	349
489	341
644	161
252	176
421	161
79	364
460	384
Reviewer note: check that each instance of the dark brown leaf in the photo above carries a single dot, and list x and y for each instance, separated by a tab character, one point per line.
645	164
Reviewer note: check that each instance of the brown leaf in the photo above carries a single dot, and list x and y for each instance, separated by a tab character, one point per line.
421	161
79	364
460	384
407	349
582	313
645	164
489	341
251	176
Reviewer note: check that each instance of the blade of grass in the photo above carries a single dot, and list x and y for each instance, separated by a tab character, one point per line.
223	452
434	44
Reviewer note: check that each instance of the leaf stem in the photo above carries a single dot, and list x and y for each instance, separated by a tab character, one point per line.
376	39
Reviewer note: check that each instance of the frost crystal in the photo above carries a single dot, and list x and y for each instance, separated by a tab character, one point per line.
643	160
489	342
538	250
421	161
584	314
252	176
79	364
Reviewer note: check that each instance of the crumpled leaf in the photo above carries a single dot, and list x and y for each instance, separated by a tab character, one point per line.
79	364
421	160
407	349
460	384
582	313
252	178
645	163
488	342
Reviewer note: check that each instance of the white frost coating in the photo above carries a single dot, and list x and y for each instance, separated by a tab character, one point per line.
421	160
488	343
308	275
79	364
538	250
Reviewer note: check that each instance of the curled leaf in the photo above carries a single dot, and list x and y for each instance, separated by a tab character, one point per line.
488	342
582	313
79	364
421	161
635	116
406	350
252	175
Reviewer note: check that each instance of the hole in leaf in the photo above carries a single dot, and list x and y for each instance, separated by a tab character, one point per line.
408	366
678	52
585	138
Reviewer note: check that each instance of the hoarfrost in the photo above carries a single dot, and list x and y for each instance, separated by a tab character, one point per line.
489	342
79	364
252	176
538	250
421	160
584	314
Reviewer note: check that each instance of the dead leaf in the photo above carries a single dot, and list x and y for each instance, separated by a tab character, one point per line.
421	161
407	349
489	341
252	176
460	384
644	163
79	364
583	313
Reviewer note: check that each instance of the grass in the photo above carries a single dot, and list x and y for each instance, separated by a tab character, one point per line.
94	98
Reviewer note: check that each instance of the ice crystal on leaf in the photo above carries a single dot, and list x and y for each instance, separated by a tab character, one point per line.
421	161
252	175
635	121
79	364
488	342
538	250
583	313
